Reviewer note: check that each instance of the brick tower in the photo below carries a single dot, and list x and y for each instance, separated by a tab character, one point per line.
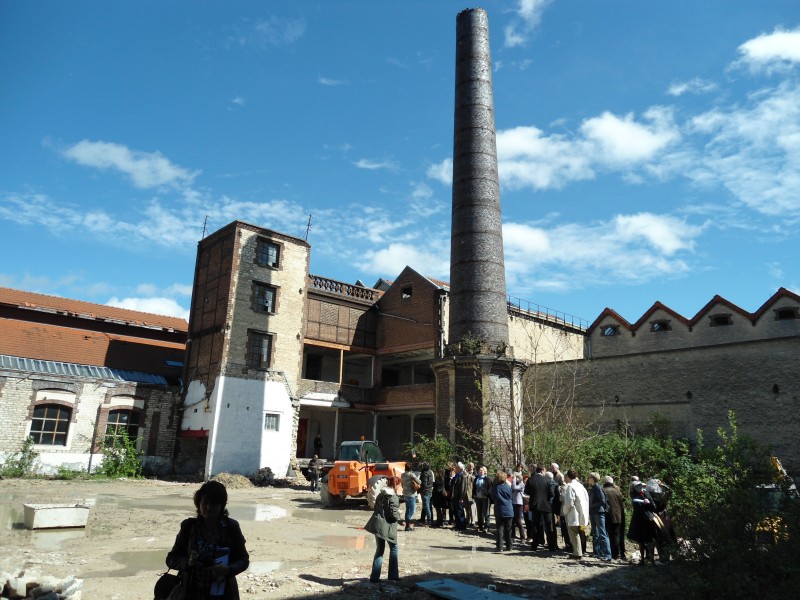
477	370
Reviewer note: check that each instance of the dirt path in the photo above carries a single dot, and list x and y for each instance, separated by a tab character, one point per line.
296	548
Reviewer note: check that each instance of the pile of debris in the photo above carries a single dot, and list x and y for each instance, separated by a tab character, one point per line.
34	586
233	481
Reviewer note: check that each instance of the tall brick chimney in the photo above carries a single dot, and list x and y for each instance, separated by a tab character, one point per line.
477	268
477	378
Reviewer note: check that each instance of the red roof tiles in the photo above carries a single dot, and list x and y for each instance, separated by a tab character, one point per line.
31	300
65	344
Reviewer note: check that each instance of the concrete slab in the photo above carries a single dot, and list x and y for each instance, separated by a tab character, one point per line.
55	516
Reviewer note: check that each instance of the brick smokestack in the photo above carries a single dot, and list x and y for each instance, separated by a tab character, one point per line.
477	268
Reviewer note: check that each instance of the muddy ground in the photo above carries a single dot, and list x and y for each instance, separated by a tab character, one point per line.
297	549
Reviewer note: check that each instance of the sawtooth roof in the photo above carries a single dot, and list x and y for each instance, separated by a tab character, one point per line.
753	317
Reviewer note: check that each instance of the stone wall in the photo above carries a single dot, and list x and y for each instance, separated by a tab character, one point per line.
286	323
90	401
695	387
535	341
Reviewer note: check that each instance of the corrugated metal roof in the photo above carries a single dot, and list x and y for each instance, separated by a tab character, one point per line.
30	365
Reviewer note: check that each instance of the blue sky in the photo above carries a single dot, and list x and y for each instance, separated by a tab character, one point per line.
648	151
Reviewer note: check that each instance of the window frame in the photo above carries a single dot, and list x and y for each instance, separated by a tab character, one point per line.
269	417
258	303
610	327
720	320
109	439
37	434
250	353
781	314
263	246
660	326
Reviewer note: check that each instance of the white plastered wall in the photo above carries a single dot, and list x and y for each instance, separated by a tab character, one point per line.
238	442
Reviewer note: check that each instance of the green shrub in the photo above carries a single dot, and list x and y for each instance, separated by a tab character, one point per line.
120	457
437	451
67	474
20	464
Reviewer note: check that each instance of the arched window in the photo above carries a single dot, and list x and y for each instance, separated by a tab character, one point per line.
50	424
119	421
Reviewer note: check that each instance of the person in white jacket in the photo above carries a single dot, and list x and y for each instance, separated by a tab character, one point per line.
575	509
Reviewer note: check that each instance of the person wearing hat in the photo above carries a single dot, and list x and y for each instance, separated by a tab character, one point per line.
642	529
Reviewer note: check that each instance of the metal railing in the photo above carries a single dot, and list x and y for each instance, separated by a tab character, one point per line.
549	315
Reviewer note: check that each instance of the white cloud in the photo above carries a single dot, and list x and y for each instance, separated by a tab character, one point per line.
156	306
372	165
513	37
421	191
40	284
528	158
331	82
442	172
753	150
145	169
156	225
663	233
529	13
623	140
238	100
176	289
433	261
778	50
272	31
693	86
624	249
396	62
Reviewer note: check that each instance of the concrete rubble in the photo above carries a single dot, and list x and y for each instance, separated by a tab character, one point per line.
35	586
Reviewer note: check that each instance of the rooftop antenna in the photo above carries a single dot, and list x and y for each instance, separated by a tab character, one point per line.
308	227
205	221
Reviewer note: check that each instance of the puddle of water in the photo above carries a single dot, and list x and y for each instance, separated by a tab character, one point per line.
41	539
12	518
325	516
51	539
263	567
256	512
134	562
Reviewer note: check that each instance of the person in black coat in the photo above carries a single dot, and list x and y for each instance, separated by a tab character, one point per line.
209	551
542	508
615	518
642	529
439	498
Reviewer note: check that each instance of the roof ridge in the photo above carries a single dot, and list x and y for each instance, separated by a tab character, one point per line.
16	296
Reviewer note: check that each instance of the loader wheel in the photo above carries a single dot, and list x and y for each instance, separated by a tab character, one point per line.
329	499
374	486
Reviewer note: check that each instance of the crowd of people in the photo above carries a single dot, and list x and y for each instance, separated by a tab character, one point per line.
531	507
534	507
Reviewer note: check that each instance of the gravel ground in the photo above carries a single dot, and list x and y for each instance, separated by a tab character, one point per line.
297	549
